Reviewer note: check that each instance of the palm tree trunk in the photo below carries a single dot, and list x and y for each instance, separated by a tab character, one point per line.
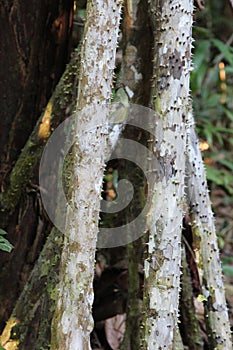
172	25
72	322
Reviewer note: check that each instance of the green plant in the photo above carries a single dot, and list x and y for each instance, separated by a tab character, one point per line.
227	265
5	245
212	89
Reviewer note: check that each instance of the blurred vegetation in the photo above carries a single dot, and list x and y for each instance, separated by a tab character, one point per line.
212	91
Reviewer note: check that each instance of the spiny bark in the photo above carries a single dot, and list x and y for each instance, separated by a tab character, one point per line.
172	24
207	253
73	322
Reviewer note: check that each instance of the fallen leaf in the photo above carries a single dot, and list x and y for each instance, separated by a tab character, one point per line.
114	330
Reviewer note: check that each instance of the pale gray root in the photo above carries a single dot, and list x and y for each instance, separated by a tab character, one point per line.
205	239
172	22
73	322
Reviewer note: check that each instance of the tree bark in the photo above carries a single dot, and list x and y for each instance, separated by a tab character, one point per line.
72	321
206	247
33	59
136	71
189	326
172	24
34	325
35	307
34	49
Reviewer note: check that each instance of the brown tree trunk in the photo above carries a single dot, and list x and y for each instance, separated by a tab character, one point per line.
34	49
34	308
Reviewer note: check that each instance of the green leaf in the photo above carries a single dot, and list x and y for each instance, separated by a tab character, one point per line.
230	140
200	75
201	54
82	13
2	232
200	63
229	113
228	164
221	242
221	178
115	178
228	270
229	69
222	129
214	175
201	298
201	31
213	100
226	260
1	348
108	177
5	245
224	49
209	136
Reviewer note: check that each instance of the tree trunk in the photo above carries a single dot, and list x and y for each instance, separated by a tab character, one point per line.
189	326
35	306
33	59
34	42
67	298
206	247
136	71
72	322
172	24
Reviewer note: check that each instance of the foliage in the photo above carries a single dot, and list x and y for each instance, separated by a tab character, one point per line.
227	265
212	88
5	245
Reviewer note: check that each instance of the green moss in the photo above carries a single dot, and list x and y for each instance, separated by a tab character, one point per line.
67	173
63	98
20	175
